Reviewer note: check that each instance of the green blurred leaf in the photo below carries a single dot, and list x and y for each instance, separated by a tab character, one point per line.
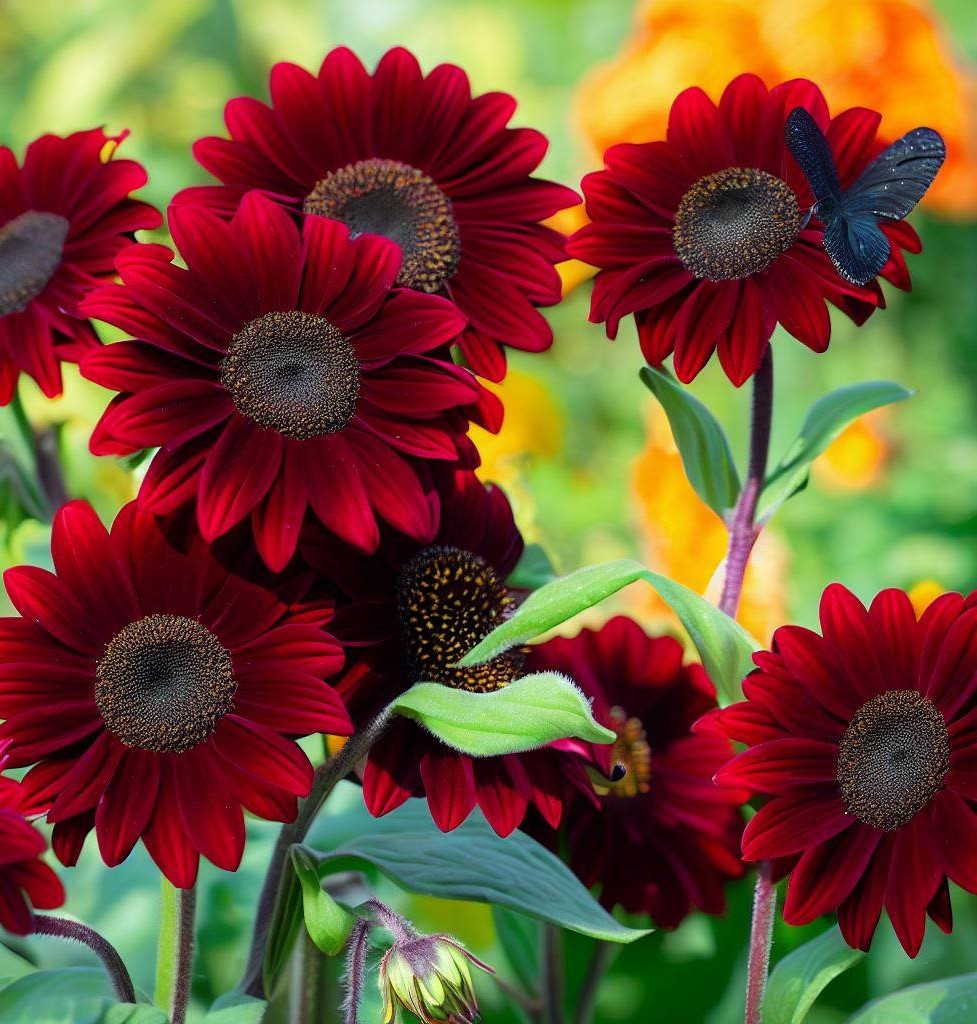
701	442
534	569
473	863
327	922
285	923
20	494
723	645
236	1008
528	713
802	976
70	995
129	1013
825	420
950	1001
519	937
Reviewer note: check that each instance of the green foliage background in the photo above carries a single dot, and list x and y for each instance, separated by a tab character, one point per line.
164	68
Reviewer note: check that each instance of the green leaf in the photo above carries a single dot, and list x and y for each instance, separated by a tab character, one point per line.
528	713
285	924
534	569
236	1008
472	863
824	421
724	646
71	995
327	922
950	1001
802	976
701	442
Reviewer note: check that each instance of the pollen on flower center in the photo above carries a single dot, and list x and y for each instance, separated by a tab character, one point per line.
384	197
735	223
892	758
292	372
163	684
31	246
447	601
631	751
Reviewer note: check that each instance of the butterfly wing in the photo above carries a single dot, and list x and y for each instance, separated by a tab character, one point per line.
896	180
810	149
857	246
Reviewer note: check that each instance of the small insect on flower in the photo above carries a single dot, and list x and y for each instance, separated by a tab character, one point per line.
429	976
887	190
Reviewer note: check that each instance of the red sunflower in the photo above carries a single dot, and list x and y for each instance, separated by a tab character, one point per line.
25	880
415	610
662	838
865	740
64	217
705	238
417	159
156	695
283	371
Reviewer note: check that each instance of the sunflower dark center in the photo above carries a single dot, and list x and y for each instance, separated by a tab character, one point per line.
735	223
384	197
31	246
631	752
163	684
892	758
292	372
449	600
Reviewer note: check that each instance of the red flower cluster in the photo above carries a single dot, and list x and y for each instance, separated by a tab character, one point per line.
25	880
704	239
294	363
863	740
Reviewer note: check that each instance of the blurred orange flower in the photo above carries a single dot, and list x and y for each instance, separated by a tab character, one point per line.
924	594
890	55
858	457
684	539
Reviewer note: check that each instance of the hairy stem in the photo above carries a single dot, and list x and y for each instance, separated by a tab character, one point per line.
600	961
761	937
743	530
74	931
554	985
323	783
357	949
186	918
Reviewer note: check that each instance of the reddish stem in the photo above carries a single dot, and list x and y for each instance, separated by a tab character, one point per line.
761	936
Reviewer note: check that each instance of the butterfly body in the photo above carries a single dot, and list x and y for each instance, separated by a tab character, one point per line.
888	189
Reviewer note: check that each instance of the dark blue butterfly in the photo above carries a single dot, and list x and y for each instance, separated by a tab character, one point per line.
891	185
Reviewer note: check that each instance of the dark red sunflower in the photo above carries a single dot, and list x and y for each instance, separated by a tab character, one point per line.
25	880
704	237
415	610
662	838
64	217
283	371
417	159
156	696
865	740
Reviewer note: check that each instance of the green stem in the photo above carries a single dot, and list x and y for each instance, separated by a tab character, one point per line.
164	949
174	960
553	985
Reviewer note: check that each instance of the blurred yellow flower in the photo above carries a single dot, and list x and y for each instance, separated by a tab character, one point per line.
532	429
572	272
684	539
890	55
924	594
857	458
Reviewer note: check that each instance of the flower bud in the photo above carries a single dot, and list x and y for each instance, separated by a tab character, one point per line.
429	976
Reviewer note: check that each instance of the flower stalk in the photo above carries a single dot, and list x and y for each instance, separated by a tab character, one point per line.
74	931
743	532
